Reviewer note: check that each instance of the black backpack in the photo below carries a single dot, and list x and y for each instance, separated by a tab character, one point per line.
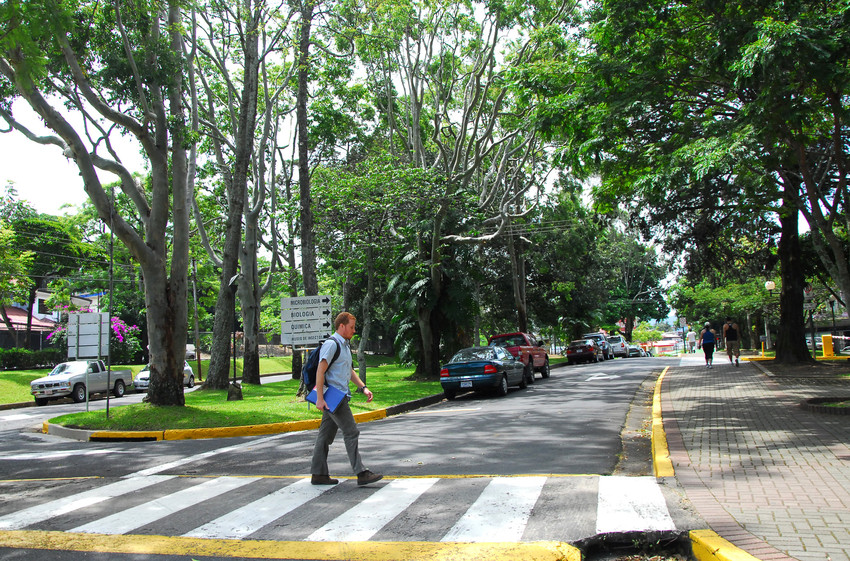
308	373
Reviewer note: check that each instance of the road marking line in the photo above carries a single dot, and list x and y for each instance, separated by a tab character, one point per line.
208	454
363	521
18	417
56	455
127	520
631	504
500	514
37	513
444	411
250	518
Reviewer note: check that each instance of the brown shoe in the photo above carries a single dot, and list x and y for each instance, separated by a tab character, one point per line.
366	477
323	480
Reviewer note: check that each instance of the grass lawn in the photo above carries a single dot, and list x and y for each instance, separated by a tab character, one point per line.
268	403
15	384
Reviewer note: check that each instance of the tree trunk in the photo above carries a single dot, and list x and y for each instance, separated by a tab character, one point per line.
518	282
367	313
791	339
308	244
244	139
30	311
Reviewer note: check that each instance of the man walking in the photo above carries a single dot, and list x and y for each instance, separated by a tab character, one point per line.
338	375
707	341
732	338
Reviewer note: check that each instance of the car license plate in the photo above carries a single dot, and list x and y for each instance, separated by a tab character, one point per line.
48	392
466	384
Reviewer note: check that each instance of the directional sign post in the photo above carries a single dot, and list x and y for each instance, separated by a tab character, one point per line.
305	320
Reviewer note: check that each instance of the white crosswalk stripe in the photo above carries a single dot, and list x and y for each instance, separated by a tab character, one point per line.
363	521
65	505
631	502
250	518
136	517
473	510
500	513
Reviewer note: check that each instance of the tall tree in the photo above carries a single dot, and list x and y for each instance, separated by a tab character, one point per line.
238	35
456	117
119	69
709	111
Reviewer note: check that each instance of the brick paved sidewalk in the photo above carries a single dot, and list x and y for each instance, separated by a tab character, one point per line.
765	474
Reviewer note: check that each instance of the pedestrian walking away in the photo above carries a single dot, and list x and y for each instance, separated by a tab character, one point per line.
338	375
732	338
692	340
707	341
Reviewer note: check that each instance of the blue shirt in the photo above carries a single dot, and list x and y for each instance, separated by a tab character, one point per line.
339	373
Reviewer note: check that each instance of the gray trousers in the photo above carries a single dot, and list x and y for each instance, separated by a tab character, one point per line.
342	419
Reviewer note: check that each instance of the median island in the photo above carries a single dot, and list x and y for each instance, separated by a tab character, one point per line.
265	404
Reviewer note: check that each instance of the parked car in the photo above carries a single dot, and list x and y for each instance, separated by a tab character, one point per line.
619	346
584	350
143	378
77	379
634	350
603	343
482	369
527	349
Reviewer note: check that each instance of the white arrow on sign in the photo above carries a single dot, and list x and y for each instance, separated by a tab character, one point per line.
320	301
601	377
303	326
305	314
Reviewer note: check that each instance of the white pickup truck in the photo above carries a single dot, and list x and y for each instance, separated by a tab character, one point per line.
69	379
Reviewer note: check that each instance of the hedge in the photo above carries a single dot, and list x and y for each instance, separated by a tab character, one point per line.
24	359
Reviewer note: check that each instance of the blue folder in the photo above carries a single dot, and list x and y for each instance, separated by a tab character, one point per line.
333	397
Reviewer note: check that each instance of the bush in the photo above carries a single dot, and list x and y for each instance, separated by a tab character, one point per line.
124	342
21	359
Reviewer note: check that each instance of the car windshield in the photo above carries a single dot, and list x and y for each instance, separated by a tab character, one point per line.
477	353
578	342
508	341
69	368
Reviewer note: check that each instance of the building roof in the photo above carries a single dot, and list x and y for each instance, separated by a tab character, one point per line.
18	317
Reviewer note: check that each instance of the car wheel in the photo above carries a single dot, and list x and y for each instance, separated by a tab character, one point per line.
528	373
545	370
523	382
41	401
119	389
502	388
79	393
450	395
570	362
191	383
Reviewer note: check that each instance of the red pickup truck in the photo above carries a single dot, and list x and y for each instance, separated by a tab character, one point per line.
526	348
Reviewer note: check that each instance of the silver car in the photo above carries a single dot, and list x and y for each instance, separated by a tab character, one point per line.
143	378
619	346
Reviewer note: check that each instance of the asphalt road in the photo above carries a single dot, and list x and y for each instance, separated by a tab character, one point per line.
552	445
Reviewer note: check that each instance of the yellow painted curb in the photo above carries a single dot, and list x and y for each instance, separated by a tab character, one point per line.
217	432
312	551
370	416
662	465
129	434
245	430
706	545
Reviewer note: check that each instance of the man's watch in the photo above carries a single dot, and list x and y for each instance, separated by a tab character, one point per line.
362	390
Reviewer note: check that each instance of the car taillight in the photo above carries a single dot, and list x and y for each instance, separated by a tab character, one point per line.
490	369
444	373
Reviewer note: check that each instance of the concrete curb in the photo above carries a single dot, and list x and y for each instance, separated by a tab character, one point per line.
84	435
